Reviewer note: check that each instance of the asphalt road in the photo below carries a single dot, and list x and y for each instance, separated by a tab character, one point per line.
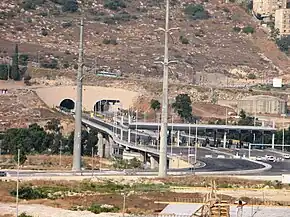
214	164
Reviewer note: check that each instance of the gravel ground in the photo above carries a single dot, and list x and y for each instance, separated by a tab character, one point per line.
45	211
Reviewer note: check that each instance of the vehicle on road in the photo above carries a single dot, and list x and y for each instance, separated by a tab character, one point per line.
271	158
3	174
286	156
259	158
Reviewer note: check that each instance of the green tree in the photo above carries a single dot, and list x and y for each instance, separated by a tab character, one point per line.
182	106
245	120
4	71
55	127
15	75
196	12
114	4
23	59
70	6
155	105
284	43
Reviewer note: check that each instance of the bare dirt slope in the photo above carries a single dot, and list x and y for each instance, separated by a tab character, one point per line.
21	106
213	51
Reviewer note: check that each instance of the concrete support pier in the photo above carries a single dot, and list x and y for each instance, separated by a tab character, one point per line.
273	140
100	145
153	163
225	139
178	138
129	135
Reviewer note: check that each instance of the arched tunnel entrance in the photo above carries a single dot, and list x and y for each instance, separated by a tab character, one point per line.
107	105
67	104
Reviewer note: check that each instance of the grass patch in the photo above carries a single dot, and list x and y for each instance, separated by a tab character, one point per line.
61	190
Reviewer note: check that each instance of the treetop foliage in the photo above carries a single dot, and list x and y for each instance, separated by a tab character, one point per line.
196	12
155	105
182	106
45	140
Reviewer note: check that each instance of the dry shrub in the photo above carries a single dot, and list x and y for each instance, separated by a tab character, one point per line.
222	182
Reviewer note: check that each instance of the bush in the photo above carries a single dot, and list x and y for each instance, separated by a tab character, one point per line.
28	193
66	24
248	30
44	32
24	215
97	208
196	12
70	6
19	28
283	43
110	41
31	4
4	71
116	18
183	40
50	64
237	29
23	59
66	65
114	4
251	76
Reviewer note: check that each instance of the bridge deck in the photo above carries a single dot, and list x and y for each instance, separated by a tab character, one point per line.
185	127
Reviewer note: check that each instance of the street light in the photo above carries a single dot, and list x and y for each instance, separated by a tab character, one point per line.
163	138
171	134
283	133
136	134
17	184
189	141
195	148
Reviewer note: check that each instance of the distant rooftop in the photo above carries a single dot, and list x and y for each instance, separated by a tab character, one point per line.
260	97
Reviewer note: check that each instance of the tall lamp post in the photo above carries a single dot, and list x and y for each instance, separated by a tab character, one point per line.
163	138
17	184
283	133
78	116
171	135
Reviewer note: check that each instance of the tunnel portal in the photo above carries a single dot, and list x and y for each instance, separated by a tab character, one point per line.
68	104
106	105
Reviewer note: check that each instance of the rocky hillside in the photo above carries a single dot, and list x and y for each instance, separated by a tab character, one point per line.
214	41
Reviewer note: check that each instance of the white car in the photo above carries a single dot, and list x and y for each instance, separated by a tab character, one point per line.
271	158
286	156
259	158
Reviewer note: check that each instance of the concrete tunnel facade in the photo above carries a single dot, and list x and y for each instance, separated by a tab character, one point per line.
103	105
93	97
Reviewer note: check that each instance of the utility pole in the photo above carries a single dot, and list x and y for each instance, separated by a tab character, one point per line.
78	116
164	122
17	184
92	161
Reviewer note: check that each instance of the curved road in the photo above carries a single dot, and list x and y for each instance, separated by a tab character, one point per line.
212	164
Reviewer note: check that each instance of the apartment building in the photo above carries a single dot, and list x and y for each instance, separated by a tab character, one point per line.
282	21
268	7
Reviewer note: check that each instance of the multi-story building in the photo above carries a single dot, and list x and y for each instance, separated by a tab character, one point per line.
262	104
282	21
268	7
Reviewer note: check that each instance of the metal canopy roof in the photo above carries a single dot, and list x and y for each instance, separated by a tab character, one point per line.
154	126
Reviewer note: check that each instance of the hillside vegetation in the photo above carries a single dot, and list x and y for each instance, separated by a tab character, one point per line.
215	40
